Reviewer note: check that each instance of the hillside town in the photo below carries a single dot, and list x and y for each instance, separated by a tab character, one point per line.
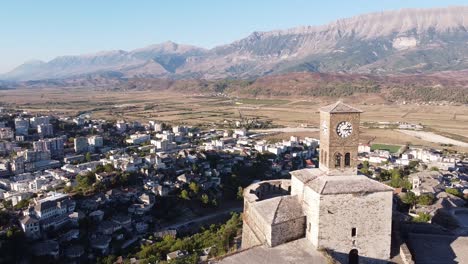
78	189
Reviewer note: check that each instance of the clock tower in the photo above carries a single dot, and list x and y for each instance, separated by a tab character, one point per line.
339	139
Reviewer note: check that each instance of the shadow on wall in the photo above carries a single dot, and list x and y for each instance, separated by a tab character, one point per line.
353	257
430	243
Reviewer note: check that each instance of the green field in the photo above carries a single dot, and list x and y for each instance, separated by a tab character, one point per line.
391	148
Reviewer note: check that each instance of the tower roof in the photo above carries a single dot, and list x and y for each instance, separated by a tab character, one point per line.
339	107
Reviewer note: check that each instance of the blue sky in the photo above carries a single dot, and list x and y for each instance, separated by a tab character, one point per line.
44	29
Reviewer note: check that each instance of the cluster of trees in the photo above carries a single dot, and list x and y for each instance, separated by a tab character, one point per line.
192	192
424	199
220	238
87	183
396	178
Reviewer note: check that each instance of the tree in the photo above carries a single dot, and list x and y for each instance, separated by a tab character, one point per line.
240	193
434	168
454	191
86	181
184	195
422	218
214	203
409	198
88	156
22	204
413	164
205	199
426	199
194	187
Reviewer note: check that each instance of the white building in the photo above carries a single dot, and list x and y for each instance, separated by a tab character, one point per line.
21	126
138	139
45	129
81	144
96	141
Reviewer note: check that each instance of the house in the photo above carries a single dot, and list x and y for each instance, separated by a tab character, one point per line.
101	243
30	226
122	221
97	215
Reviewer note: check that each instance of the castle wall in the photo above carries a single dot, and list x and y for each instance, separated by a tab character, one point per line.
311	209
258	227
249	239
370	214
297	187
287	231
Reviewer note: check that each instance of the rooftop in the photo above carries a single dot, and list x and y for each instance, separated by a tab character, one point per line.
322	183
279	209
297	251
339	107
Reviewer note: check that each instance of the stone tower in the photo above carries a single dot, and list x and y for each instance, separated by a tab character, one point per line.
339	139
331	206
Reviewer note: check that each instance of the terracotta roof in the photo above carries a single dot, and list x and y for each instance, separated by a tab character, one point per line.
339	107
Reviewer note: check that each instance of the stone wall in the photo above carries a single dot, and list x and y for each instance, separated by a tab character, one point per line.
255	231
311	208
370	214
287	231
249	239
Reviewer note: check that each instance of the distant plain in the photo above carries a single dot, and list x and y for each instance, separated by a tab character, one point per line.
205	110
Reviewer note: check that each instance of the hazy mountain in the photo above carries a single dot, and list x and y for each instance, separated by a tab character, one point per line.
403	41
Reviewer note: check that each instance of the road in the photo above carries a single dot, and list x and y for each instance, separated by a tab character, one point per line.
203	218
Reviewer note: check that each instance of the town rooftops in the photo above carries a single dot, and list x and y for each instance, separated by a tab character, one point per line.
339	107
279	209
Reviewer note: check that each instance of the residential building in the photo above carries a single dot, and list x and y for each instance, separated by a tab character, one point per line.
81	144
45	130
21	126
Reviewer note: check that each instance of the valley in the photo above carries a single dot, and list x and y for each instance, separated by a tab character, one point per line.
448	120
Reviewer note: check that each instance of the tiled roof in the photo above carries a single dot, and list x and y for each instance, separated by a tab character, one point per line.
339	107
279	209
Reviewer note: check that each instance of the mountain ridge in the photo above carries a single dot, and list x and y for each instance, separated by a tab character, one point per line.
399	41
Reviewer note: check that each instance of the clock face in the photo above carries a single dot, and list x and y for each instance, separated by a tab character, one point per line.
344	129
324	128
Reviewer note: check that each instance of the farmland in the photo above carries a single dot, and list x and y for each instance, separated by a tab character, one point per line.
208	111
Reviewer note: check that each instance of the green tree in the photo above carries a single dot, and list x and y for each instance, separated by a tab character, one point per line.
422	218
205	199
194	187
184	195
454	191
240	193
413	164
426	199
434	168
214	202
88	157
86	181
22	204
409	198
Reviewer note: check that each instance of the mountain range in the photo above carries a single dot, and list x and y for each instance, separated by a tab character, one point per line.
383	43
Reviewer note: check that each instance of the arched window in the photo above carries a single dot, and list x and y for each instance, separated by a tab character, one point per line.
338	160
347	159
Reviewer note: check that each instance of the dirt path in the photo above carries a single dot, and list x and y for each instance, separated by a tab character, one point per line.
431	137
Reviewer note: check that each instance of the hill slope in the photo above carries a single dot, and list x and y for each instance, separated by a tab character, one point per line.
403	41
